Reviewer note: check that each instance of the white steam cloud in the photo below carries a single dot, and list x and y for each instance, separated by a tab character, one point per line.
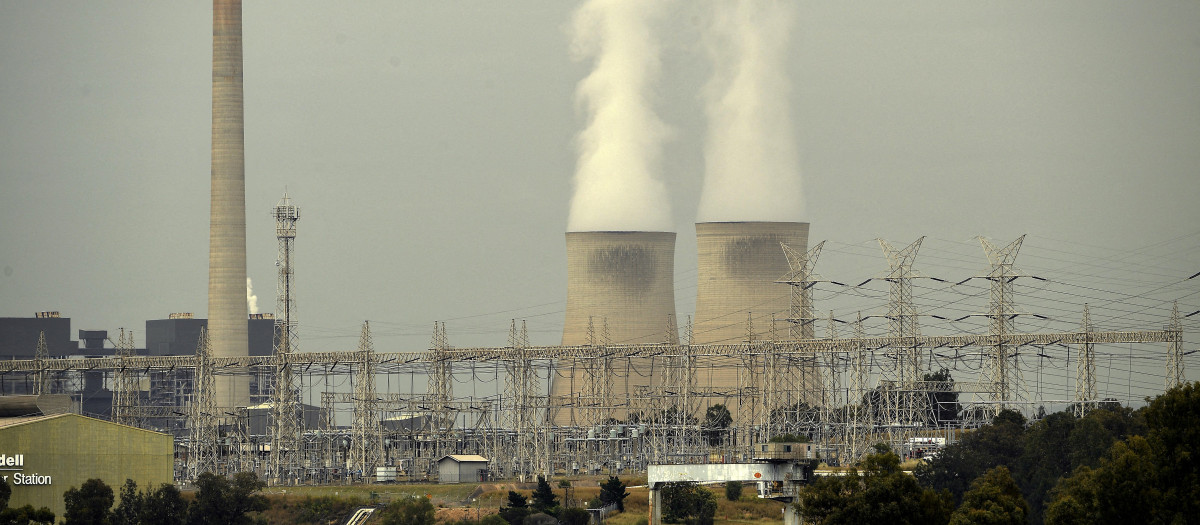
251	299
751	166
616	180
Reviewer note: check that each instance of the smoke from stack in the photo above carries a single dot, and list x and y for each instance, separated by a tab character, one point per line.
251	299
616	180
751	166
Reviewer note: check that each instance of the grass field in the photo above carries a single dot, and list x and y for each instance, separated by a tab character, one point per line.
486	496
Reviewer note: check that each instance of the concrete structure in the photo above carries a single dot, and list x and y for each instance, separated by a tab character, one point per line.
34	405
626	278
179	335
777	480
737	269
258	417
62	451
227	235
19	336
462	468
620	290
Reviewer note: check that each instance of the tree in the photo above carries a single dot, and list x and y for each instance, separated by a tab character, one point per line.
164	506
1150	479
733	490
573	516
516	510
689	503
942	397
613	491
221	500
516	500
716	419
129	508
1000	443
26	515
882	493
673	415
89	504
544	499
411	511
994	499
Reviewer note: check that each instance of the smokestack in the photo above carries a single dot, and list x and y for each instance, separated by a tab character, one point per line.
738	265
227	323
623	281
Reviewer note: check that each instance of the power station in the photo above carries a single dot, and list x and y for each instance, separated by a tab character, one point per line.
623	389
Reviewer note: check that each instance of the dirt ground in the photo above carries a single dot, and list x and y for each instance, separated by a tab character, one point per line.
463	513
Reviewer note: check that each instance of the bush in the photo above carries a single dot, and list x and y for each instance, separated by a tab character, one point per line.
733	490
412	511
573	516
689	503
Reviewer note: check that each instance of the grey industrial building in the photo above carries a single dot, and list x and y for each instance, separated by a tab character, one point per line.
91	392
462	468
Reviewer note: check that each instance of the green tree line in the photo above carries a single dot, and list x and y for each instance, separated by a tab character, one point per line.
1114	465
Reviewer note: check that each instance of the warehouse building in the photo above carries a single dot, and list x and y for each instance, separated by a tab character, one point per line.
46	455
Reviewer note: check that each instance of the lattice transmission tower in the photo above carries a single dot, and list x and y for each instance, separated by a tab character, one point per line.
523	395
1175	350
801	378
40	355
366	445
1085	372
203	423
286	440
905	406
1007	386
125	395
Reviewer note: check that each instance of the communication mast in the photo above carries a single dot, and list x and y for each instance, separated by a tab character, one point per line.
287	443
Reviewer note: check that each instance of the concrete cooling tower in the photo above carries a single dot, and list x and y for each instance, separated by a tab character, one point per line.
622	280
737	267
227	323
624	277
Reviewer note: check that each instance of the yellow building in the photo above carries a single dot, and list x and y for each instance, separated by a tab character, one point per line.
41	457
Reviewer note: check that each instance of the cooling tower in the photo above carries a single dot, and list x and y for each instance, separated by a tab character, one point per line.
737	267
624	277
623	281
227	234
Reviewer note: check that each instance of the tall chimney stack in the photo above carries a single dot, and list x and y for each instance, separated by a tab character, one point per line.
227	323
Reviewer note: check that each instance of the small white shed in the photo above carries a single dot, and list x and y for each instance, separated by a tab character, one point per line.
462	468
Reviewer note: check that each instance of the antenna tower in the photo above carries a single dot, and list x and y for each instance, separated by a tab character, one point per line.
286	443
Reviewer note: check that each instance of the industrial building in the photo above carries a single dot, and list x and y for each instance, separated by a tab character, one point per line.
60	451
462	468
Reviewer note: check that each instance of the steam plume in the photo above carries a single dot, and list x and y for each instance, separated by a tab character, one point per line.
251	299
616	184
751	167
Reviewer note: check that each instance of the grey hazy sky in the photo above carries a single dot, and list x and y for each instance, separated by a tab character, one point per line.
431	148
